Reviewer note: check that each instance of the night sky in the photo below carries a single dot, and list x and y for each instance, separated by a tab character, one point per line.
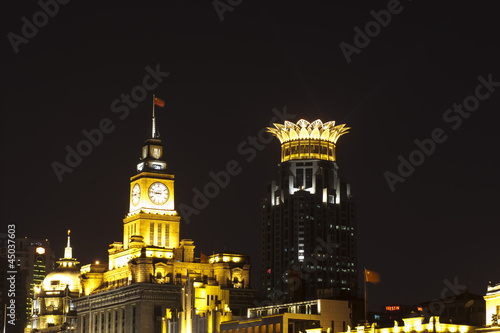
225	78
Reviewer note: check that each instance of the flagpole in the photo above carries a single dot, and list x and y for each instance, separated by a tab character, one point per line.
364	276
154	124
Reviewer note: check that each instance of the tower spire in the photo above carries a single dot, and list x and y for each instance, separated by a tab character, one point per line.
152	150
68	251
153	131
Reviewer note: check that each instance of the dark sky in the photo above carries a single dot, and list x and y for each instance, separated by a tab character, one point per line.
225	78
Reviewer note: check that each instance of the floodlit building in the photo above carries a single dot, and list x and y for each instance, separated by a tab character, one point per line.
319	315
153	281
492	299
53	309
416	324
309	218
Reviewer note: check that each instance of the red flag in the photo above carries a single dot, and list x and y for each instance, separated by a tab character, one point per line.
159	102
372	276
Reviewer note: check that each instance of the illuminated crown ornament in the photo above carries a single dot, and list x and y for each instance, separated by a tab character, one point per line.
306	140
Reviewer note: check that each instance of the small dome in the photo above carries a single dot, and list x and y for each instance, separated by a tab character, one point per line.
58	279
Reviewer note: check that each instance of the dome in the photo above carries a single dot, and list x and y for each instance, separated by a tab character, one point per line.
58	279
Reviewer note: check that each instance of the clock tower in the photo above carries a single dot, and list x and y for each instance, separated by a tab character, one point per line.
152	212
144	284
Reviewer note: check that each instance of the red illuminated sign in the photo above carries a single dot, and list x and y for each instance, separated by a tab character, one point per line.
392	308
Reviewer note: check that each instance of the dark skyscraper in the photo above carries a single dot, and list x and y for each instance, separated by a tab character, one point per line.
35	260
308	218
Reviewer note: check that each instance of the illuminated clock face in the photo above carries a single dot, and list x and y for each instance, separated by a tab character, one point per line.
136	194
158	193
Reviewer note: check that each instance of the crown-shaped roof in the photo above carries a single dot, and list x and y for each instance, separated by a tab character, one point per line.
304	130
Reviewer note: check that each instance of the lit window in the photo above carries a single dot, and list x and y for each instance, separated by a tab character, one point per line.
151	233
167	235
159	235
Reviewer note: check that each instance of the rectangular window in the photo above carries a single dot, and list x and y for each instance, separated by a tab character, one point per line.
157	311
157	315
309	178
151	233
167	235
133	318
159	235
299	179
304	150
